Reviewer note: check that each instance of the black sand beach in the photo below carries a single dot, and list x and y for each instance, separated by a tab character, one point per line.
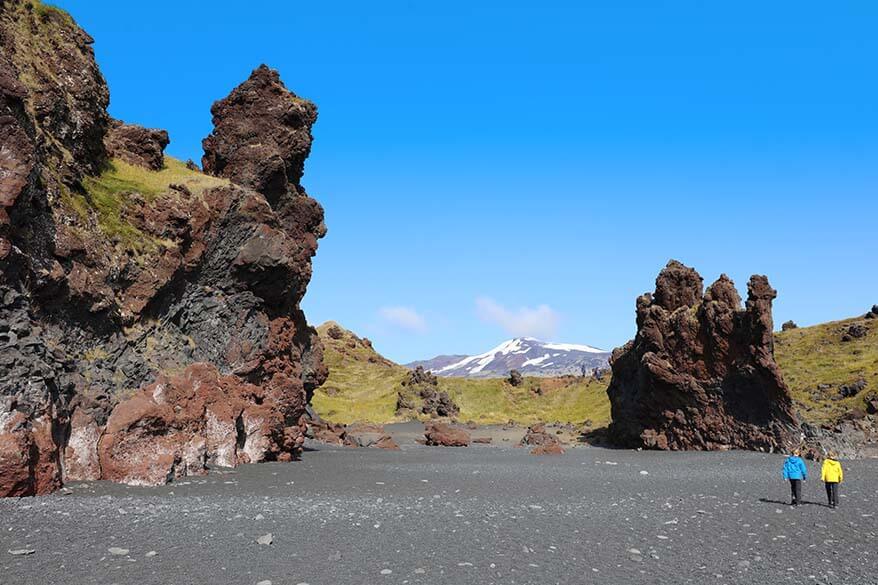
483	514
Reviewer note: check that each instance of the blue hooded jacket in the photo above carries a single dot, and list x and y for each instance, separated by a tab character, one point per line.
794	468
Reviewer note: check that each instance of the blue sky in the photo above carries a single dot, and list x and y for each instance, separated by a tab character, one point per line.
500	168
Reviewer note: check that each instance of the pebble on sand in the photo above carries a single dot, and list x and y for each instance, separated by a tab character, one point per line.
115	550
265	539
20	552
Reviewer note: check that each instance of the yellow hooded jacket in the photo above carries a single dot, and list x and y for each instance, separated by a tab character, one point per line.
832	472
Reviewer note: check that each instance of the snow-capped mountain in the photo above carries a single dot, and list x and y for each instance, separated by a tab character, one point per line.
529	356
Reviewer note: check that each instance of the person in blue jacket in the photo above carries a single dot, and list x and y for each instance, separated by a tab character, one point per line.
795	471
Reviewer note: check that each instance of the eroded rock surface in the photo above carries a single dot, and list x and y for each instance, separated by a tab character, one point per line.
159	339
444	435
700	373
420	394
137	145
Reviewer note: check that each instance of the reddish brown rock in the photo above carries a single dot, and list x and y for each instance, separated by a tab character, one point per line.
536	435
700	373
182	425
483	440
136	145
443	435
547	449
204	284
261	136
386	442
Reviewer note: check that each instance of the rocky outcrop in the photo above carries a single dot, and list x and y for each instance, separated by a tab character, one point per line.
136	145
419	394
542	442
162	337
261	136
700	372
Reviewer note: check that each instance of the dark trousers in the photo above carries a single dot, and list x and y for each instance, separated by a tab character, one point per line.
796	490
832	493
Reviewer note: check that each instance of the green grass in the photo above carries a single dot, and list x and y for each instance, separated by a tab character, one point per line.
108	194
809	356
43	11
357	389
494	400
362	390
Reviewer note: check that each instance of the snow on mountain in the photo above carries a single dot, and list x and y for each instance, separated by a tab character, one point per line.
529	356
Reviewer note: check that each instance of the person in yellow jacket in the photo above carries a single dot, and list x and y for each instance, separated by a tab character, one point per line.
832	475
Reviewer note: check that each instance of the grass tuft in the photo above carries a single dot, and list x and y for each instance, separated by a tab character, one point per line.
109	193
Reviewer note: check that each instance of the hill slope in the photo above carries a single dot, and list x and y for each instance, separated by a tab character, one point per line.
363	385
816	363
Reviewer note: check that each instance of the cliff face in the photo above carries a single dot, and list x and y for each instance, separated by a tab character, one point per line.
149	313
700	373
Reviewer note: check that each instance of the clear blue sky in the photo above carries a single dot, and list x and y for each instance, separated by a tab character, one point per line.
491	168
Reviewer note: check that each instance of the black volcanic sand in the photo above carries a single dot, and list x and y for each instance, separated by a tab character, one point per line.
442	515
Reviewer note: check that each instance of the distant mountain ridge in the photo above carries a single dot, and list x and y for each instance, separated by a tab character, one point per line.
529	356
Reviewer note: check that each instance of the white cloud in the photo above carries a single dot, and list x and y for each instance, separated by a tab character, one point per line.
404	318
540	322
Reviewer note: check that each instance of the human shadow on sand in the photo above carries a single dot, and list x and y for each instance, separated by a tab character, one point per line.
803	503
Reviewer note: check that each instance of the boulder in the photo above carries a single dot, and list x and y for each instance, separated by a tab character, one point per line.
789	325
547	449
443	435
536	435
700	372
855	331
515	378
852	389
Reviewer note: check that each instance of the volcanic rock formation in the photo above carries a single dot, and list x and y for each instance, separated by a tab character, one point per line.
419	393
700	373
145	332
137	145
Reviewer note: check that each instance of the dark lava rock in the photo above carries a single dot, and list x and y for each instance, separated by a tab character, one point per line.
144	147
701	373
419	393
855	331
146	360
788	325
515	378
852	389
872	403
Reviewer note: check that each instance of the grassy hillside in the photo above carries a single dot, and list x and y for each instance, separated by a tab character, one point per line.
362	385
814	356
